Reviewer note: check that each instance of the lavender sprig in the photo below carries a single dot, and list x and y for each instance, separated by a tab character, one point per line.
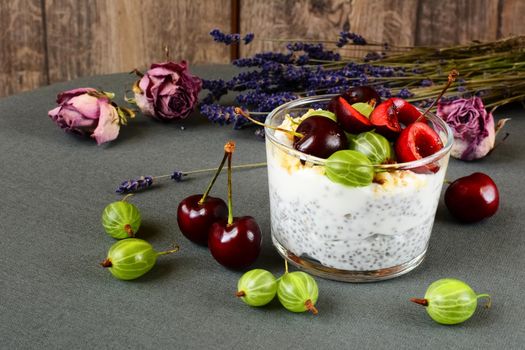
146	182
229	39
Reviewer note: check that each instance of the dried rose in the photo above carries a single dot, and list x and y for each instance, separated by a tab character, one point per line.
167	91
473	127
89	112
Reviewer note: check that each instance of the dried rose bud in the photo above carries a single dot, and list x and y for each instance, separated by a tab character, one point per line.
473	127
87	111
167	91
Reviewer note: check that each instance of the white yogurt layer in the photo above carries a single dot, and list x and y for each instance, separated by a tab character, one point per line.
367	228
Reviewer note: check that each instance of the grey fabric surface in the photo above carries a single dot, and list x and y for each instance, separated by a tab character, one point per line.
54	295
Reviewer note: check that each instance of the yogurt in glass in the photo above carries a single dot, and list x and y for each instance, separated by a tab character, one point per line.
349	233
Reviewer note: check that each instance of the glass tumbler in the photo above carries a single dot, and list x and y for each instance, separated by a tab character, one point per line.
353	234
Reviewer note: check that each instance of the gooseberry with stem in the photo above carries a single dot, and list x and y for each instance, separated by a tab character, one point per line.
298	291
131	258
450	301
121	219
257	287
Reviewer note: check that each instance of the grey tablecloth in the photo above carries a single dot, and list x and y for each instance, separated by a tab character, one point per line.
53	293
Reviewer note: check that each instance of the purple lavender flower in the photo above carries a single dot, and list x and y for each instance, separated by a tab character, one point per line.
345	37
248	38
226	39
177	176
134	185
404	93
426	82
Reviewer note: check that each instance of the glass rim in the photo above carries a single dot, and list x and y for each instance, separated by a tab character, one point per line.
300	102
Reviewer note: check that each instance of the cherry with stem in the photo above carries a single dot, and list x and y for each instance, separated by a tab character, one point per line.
235	242
197	213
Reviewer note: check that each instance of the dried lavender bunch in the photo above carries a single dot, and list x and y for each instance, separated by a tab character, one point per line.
494	71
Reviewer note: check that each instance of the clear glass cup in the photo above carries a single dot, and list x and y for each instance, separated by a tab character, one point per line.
353	234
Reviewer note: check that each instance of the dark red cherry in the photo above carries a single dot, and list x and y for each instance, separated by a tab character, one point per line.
195	219
406	112
321	137
237	245
357	94
472	198
349	118
418	140
384	119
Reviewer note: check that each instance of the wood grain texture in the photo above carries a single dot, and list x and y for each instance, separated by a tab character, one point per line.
391	21
512	20
66	39
22	49
87	37
291	19
456	21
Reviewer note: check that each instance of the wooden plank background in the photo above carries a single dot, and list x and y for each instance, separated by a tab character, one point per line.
46	41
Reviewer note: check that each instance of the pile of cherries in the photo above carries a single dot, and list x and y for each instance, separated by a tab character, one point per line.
395	119
235	242
469	199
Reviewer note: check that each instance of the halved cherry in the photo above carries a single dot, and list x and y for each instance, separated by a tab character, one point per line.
349	118
417	141
356	94
384	119
406	112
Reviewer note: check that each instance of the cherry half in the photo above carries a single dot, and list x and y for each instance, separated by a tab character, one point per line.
384	119
349	118
472	198
320	137
406	112
197	213
235	243
418	140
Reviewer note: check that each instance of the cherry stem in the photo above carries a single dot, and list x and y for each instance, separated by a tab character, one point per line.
129	230
217	172
246	115
451	78
240	294
489	302
106	263
230	202
310	307
174	250
423	302
126	197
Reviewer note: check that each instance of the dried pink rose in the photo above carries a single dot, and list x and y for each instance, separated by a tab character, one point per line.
87	111
167	91
473	127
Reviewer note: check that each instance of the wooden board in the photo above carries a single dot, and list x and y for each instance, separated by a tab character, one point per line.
87	37
22	49
46	41
456	21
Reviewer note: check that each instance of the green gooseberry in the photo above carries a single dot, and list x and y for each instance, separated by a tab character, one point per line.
318	112
257	287
363	108
131	258
298	292
350	168
121	219
450	301
376	147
